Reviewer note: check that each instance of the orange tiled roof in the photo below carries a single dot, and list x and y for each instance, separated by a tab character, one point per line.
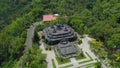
49	17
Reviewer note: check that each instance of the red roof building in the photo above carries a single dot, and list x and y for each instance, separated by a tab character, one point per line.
47	18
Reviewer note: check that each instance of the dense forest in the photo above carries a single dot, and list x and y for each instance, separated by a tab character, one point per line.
98	18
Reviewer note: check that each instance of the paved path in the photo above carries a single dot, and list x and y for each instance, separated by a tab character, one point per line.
74	62
86	47
30	35
50	56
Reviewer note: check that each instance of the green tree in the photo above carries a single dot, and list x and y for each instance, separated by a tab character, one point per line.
36	37
33	58
114	42
100	32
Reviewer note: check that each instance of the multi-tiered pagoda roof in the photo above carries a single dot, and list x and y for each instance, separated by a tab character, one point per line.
54	34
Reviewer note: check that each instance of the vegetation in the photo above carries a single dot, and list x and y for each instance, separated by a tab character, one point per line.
98	18
13	38
11	10
33	58
88	55
98	65
79	41
79	57
36	37
97	48
85	61
113	42
53	63
62	61
67	66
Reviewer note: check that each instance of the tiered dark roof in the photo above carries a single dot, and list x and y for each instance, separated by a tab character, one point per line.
54	34
66	48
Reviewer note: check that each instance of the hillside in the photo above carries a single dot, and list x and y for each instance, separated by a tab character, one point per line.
98	18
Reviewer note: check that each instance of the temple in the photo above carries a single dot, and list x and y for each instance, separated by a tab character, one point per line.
54	34
66	48
62	35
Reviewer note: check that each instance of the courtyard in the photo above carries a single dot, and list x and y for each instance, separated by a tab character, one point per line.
65	50
87	60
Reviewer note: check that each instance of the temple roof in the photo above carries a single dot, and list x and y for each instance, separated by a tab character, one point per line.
66	48
58	32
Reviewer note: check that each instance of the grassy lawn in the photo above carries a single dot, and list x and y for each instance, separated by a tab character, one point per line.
88	55
53	63
79	57
85	61
67	66
62	61
88	66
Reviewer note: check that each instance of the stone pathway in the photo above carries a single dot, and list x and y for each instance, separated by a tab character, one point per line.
50	56
30	35
74	62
